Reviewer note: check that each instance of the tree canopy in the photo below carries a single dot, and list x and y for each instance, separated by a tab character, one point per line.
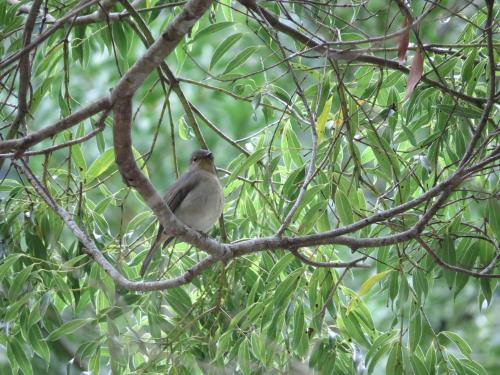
358	146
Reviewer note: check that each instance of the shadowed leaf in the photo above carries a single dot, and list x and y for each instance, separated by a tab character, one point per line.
403	42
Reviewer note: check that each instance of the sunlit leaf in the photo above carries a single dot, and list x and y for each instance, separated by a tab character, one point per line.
322	119
367	285
100	165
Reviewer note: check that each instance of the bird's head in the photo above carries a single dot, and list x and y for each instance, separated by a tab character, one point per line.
203	159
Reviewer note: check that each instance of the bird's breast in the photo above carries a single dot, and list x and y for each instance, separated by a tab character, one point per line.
203	205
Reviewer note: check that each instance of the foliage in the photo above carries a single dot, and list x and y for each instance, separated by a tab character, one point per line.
307	142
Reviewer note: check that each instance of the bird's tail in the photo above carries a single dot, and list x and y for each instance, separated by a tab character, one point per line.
157	244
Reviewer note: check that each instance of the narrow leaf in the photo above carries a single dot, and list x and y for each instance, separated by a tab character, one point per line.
323	117
18	355
244	357
403	42
416	70
239	59
367	285
100	165
457	340
251	160
224	47
67	328
211	29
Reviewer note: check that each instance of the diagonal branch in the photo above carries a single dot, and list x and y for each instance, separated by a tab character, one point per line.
19	145
91	249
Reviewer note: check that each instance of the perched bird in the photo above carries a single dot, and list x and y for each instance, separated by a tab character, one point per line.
196	199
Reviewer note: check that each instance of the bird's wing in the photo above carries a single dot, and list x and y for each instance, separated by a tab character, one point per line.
173	197
181	188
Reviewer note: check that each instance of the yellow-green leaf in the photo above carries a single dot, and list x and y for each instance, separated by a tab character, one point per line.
367	285
323	117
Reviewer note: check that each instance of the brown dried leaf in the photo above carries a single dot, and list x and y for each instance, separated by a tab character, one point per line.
416	70
403	42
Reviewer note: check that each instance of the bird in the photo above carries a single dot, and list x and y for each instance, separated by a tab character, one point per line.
196	199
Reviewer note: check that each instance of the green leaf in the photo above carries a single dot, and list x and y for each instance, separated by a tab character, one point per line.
377	355
353	328
456	364
462	111
239	59
244	357
367	285
100	165
17	356
493	209
395	361
243	313
279	267
322	119
179	300
224	47
34	316
474	367
7	263
120	38
94	362
78	158
476	75
415	329
251	160
379	343
344	207
468	66
418	365
19	282
67	328
212	29
62	288
444	69
298	324
462	345
39	344
185	132
286	288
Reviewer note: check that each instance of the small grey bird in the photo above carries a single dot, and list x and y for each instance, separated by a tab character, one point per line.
196	198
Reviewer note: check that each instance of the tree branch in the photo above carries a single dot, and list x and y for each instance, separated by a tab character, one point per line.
19	145
91	249
348	55
44	36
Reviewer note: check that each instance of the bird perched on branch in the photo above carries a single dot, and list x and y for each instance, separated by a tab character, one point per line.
196	199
